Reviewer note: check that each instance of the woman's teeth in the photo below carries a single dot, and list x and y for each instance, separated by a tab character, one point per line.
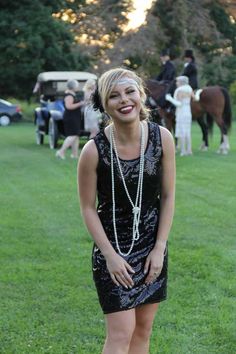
126	109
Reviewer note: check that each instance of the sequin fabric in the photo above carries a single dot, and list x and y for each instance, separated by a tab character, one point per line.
115	298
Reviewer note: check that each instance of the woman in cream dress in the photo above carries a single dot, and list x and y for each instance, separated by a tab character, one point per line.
182	101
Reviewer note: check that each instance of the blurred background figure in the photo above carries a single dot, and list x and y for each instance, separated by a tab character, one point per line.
71	120
91	117
166	76
182	101
190	68
168	69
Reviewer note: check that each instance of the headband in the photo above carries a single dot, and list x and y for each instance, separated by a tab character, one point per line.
124	81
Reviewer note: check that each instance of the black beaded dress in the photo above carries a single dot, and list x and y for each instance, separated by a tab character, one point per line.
72	118
115	298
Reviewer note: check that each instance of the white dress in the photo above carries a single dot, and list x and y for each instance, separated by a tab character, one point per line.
91	117
183	111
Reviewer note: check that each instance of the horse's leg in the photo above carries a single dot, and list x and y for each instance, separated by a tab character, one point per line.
203	126
224	141
227	119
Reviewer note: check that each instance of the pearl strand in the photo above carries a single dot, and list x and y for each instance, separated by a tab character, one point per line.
138	201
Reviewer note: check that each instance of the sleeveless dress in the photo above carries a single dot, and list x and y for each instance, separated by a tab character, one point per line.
115	298
183	112
72	119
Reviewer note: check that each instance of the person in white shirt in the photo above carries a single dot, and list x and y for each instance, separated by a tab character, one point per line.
182	101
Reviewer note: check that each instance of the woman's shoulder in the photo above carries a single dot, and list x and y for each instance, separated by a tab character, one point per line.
184	88
69	93
166	135
89	152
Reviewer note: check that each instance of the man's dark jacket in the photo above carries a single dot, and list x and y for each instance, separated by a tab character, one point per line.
190	71
167	73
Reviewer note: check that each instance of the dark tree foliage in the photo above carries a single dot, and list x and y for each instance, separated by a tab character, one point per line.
172	18
223	23
31	41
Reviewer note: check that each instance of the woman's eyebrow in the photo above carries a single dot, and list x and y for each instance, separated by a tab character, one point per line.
127	88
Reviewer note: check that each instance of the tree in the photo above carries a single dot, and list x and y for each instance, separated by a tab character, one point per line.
31	41
172	16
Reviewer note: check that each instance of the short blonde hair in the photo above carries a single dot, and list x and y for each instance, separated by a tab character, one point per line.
109	79
183	80
89	84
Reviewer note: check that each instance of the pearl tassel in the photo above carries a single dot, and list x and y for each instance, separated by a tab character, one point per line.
138	201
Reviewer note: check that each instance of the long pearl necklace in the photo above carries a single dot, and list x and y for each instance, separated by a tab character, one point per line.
136	207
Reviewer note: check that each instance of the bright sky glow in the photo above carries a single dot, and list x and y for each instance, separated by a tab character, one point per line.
138	15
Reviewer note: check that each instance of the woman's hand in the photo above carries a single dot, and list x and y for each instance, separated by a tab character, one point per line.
154	264
119	271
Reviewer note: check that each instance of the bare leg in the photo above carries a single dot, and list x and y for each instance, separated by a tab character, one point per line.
66	144
144	319
75	148
189	144
120	328
182	146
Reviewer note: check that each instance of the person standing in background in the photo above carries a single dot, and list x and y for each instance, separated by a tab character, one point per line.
71	121
91	117
182	101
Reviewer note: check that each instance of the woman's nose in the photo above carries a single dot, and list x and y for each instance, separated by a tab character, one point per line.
123	97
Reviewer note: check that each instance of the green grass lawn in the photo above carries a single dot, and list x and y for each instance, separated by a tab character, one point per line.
48	302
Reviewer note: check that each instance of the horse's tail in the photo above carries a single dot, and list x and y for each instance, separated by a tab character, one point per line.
210	122
227	114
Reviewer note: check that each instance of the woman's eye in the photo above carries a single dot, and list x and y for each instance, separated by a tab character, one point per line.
113	96
130	91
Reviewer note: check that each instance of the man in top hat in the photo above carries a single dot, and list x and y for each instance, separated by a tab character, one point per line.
190	69
168	69
166	75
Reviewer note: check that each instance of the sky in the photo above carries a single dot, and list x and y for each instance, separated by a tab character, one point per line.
138	16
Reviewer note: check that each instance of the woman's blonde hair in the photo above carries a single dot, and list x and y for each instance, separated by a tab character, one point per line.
89	84
110	78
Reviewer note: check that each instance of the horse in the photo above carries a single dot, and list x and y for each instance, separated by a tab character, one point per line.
212	101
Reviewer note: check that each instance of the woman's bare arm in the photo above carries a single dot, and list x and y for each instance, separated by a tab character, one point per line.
154	262
69	103
168	188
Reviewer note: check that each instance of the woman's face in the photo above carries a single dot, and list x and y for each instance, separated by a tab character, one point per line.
124	101
178	83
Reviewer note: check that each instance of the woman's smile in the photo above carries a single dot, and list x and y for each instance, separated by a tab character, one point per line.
126	109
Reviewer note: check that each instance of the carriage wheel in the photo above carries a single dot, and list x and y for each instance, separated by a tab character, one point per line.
53	134
5	120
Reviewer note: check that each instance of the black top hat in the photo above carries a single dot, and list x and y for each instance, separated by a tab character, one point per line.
165	52
188	53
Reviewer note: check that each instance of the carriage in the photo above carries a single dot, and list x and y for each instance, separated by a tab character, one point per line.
48	117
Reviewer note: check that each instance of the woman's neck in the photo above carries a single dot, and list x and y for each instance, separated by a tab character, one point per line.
127	133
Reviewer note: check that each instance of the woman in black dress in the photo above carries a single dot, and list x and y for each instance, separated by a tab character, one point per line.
71	120
130	168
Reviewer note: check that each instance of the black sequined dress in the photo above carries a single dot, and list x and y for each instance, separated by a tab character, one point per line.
115	298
